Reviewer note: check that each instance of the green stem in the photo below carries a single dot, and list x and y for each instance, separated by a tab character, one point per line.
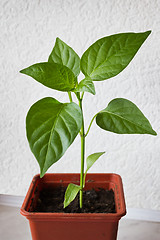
82	95
90	125
82	156
70	96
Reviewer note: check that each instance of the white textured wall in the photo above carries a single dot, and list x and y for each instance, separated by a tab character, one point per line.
28	32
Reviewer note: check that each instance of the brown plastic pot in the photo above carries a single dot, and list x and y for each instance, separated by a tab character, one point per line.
74	226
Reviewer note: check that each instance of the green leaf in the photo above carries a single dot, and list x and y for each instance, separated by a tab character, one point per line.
51	128
52	75
71	193
124	117
91	159
86	85
108	56
65	55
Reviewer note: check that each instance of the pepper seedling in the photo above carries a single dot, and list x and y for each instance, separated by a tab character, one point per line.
52	126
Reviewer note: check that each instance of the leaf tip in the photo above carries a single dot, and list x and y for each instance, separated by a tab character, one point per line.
149	32
58	39
22	71
93	92
65	204
154	133
42	173
25	71
146	34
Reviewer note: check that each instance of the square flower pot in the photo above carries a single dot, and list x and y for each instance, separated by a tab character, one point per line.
74	226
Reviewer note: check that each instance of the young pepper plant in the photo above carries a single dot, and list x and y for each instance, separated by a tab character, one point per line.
52	126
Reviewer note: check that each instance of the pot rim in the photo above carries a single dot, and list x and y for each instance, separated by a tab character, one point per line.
119	201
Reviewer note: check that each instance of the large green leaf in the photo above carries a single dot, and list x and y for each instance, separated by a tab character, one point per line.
124	117
110	55
71	193
63	54
86	85
51	128
52	75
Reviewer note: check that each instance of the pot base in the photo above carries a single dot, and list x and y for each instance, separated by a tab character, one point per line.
71	226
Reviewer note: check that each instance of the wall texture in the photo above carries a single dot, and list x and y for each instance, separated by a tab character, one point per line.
28	32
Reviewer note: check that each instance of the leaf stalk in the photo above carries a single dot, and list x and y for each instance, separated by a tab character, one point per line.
70	96
90	125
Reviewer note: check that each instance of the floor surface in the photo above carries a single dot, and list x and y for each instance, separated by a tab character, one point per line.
13	226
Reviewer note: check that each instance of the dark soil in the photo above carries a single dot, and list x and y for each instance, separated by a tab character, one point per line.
101	201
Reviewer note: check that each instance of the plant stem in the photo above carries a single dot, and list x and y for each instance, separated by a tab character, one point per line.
70	96
82	156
